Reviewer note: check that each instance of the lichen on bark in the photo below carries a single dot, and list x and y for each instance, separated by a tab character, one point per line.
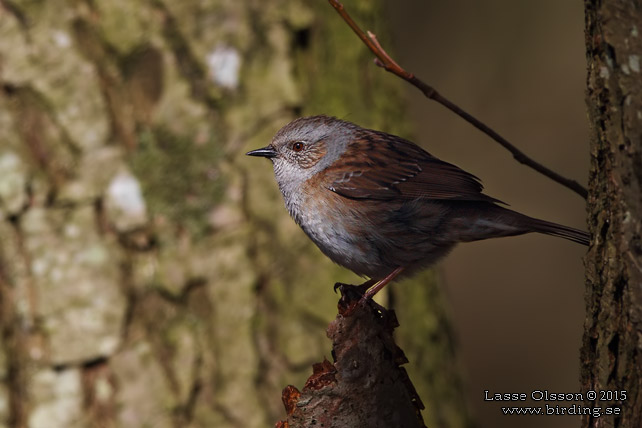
144	261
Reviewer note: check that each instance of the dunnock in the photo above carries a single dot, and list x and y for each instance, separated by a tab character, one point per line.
380	205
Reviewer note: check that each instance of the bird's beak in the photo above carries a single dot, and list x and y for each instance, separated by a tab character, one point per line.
266	152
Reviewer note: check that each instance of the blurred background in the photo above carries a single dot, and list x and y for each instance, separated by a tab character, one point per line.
520	67
149	273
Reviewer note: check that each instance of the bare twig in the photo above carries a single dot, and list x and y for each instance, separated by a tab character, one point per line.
385	61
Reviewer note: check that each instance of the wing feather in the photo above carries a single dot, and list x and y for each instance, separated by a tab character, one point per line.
384	166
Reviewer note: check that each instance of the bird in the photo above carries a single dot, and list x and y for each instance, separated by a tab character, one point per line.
381	205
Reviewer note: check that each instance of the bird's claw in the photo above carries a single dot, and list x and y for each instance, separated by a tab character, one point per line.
339	285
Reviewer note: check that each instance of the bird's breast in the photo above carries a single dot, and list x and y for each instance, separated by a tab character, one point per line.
333	224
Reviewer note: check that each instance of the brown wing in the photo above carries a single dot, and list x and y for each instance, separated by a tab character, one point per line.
388	167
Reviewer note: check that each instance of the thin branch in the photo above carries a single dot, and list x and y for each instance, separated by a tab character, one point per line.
386	62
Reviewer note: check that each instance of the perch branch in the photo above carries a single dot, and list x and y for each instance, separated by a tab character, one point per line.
365	385
387	63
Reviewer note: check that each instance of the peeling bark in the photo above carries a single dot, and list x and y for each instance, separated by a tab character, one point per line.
365	386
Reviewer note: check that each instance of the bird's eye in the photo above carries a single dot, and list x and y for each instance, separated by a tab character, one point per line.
298	146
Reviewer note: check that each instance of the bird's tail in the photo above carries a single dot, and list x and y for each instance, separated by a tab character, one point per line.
530	224
559	230
492	221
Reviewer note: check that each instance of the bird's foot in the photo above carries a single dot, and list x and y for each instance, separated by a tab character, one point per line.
365	291
360	289
355	296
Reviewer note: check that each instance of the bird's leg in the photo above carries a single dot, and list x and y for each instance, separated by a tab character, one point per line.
366	291
380	284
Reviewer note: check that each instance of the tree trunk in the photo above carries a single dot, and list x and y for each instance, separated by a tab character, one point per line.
612	351
149	274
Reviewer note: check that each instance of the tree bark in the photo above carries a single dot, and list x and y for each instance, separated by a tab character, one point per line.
149	273
612	352
365	385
